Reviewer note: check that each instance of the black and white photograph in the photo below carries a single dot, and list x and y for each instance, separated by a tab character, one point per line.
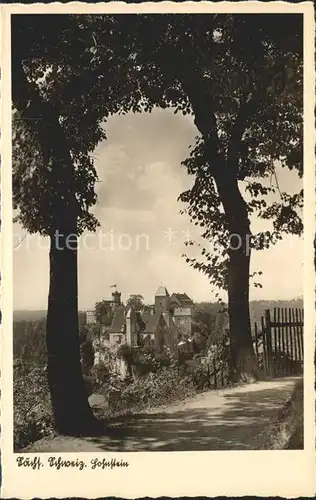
158	234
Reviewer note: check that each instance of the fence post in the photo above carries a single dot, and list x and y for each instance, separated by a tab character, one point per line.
301	317
277	333
264	345
269	341
256	342
291	340
287	341
283	342
299	347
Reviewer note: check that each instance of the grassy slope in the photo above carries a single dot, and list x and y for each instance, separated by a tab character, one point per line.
287	432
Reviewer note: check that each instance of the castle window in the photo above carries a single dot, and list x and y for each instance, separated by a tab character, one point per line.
117	338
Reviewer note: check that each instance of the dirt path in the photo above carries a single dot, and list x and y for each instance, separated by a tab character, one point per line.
229	419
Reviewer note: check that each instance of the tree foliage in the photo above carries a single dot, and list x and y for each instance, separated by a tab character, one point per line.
55	65
29	341
239	76
247	72
250	67
136	302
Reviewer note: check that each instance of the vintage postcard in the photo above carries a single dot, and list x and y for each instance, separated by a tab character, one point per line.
157	249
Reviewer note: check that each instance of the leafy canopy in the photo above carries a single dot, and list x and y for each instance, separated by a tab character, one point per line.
248	68
60	58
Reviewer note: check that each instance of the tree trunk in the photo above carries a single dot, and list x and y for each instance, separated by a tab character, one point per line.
72	412
224	172
242	352
71	409
243	359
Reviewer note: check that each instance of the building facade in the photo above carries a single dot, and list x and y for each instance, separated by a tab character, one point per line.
165	323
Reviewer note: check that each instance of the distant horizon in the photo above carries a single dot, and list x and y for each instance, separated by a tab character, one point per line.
300	297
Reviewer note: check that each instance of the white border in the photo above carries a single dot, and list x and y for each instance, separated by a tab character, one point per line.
232	473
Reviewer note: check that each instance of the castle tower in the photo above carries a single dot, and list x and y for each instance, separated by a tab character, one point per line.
162	300
116	297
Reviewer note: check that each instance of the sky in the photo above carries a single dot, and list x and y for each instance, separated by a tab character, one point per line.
141	238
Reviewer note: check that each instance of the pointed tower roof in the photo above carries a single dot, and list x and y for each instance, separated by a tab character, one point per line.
162	292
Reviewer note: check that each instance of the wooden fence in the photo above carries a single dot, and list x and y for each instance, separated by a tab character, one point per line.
278	341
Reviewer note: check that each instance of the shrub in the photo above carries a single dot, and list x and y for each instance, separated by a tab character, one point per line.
100	373
145	362
148	360
29	340
124	352
33	417
201	377
163	359
154	389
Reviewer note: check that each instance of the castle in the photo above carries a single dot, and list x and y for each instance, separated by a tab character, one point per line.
164	323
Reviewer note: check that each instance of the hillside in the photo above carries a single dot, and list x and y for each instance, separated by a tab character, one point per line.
258	307
34	315
28	315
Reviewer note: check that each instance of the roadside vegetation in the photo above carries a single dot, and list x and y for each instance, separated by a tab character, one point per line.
155	379
287	431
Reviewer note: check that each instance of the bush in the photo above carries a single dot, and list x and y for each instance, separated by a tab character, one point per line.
163	359
29	340
144	362
163	378
147	360
124	352
154	389
33	417
201	378
100	373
